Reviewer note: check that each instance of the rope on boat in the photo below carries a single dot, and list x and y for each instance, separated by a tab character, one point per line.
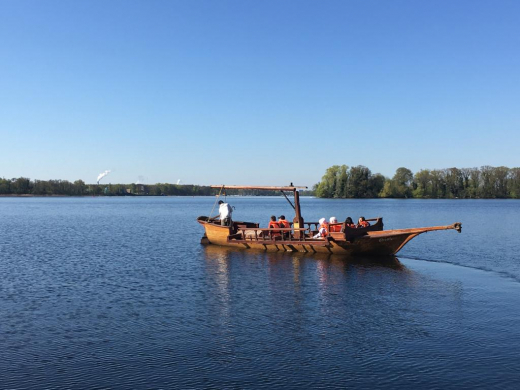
216	200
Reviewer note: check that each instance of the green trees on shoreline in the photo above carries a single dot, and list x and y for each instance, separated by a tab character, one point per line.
356	182
26	187
466	183
338	182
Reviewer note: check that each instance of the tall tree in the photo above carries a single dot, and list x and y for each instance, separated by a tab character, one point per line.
327	186
422	179
376	184
488	181
500	176
20	186
475	183
359	181
514	183
341	182
454	183
400	186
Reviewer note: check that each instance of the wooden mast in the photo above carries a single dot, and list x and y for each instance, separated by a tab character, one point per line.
298	219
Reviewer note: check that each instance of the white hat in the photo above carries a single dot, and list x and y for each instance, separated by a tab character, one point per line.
333	220
321	221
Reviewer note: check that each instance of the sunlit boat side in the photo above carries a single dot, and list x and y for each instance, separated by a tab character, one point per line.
372	240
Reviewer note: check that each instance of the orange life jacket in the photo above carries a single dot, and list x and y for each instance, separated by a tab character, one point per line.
364	224
284	223
335	228
274	224
326	227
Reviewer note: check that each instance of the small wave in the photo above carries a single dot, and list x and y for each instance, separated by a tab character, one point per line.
503	274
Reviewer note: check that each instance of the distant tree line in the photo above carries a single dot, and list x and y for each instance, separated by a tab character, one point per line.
467	183
24	186
338	182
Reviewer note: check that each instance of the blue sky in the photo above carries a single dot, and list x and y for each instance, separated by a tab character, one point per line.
255	92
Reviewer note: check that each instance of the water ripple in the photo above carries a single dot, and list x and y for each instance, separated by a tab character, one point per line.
117	293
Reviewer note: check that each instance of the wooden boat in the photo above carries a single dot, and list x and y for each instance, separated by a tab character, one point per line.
371	240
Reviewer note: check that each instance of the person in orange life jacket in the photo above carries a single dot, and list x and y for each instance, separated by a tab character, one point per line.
323	229
362	223
274	224
284	224
224	211
349	223
334	228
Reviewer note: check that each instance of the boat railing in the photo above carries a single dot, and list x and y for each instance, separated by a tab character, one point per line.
310	225
270	234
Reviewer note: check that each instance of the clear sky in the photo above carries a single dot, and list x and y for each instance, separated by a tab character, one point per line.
255	92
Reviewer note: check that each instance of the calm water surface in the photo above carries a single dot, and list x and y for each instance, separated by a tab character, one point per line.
118	293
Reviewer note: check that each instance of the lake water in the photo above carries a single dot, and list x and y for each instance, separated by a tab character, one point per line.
118	293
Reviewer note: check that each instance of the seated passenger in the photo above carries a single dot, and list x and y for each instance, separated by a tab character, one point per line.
323	230
362	223
349	223
332	227
274	224
284	224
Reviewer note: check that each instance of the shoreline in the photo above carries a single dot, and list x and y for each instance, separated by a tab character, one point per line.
235	196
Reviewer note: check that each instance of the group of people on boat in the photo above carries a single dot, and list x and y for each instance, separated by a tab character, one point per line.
226	211
324	227
277	224
333	226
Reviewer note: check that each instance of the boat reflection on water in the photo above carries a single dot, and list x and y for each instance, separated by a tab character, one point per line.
301	294
228	266
219	254
280	306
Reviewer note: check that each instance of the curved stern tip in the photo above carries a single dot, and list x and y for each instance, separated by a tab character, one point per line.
458	226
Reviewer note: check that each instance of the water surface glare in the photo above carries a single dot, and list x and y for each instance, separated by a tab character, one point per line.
118	293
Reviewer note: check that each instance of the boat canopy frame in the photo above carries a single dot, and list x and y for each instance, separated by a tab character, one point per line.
294	189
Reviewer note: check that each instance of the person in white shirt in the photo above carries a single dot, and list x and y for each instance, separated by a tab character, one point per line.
225	211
